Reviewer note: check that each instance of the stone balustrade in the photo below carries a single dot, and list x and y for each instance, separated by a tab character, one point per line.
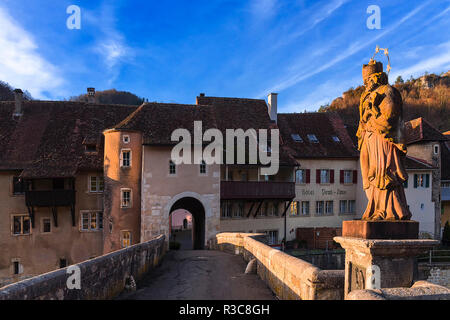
421	290
103	277
289	278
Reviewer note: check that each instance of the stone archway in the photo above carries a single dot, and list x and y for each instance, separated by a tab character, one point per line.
197	209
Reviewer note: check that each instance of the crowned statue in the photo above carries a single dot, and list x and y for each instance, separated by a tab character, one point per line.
381	144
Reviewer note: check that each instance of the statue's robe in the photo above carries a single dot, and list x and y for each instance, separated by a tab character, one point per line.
380	141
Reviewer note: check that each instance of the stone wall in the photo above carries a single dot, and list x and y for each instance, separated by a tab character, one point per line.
103	277
437	273
288	277
421	290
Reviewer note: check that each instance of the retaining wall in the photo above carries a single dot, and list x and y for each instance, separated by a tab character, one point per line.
103	277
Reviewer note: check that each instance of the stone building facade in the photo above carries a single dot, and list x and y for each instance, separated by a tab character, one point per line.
85	179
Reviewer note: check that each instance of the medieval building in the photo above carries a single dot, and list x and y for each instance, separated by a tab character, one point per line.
82	179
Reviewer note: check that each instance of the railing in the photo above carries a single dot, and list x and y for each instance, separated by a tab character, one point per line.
50	198
257	190
435	256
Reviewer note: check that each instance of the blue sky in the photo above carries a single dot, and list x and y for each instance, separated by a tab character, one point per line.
170	51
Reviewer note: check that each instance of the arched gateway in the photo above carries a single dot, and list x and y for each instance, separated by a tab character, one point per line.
197	210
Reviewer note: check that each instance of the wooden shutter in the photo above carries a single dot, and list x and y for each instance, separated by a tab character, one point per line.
332	176
317	176
308	176
341	176
355	176
415	180
427	180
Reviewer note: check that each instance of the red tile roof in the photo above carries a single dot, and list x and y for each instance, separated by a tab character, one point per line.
157	121
324	125
416	163
419	129
47	140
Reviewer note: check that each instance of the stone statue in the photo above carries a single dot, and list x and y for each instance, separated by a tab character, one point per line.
381	143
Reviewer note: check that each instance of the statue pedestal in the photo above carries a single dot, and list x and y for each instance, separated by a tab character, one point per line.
380	263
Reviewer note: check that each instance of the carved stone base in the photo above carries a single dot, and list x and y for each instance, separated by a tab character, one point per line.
375	264
380	229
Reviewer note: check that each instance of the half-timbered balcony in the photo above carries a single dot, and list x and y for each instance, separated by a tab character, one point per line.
253	190
50	198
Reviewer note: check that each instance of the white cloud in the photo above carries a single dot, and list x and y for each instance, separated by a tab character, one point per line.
110	44
355	47
323	94
21	65
263	9
436	63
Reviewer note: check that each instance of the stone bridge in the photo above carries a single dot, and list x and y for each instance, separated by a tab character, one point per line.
217	273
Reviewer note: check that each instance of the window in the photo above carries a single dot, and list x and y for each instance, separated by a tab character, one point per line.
239	210
125	158
422	180
436	149
203	167
273	209
319	207
329	207
272	236
312	138
91	221
126	239
172	167
21	225
16	267
346	206
46	225
300	176
226	208
125	198
305	208
324	176
351	206
126	139
294	206
96	183
62	263
348	176
335	138
18	186
296	137
269	177
263	209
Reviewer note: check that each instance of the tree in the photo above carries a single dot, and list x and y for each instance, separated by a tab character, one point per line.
399	80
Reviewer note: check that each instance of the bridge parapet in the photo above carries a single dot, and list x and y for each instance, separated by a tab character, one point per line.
103	277
289	278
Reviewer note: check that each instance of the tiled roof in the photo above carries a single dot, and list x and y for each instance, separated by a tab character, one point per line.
415	163
324	126
157	121
419	129
49	139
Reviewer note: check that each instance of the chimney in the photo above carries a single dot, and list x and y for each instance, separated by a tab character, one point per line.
272	101
18	98
91	95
